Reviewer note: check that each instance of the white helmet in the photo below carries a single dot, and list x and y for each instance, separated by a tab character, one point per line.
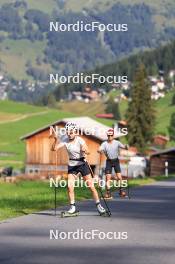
71	126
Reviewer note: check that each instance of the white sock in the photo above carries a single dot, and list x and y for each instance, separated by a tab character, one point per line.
72	209
97	202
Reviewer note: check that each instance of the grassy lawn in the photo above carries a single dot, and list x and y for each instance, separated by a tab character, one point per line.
10	132
31	196
148	180
19	108
87	109
164	110
83	109
26	197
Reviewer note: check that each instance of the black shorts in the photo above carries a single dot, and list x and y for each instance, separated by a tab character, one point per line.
83	169
113	163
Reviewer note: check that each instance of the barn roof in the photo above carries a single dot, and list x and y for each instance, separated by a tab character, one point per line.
83	123
163	152
162	137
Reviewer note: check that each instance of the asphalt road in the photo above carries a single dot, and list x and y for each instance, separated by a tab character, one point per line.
148	218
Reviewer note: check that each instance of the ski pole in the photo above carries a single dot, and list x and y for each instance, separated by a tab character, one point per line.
127	170
100	164
55	186
54	170
55	201
101	193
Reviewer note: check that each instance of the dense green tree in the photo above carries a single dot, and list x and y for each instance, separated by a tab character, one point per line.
51	101
47	100
153	60
171	128
38	17
140	114
173	100
10	20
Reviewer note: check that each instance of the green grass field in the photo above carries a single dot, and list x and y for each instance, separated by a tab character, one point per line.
164	110
18	119
26	197
81	108
33	117
19	108
90	109
32	196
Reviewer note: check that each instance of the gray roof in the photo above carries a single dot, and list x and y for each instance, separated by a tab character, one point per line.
95	128
163	151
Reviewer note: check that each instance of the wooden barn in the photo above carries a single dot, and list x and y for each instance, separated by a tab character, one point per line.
158	160
40	160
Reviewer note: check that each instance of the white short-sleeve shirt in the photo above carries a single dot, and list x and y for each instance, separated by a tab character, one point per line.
74	149
111	150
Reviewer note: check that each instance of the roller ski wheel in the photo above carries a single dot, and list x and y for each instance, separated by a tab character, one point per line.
105	214
67	214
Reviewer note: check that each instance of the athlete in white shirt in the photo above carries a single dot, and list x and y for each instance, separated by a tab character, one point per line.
77	150
111	150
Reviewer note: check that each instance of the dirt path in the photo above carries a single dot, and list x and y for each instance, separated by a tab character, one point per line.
24	117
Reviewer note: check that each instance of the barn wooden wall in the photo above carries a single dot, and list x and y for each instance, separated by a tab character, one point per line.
157	164
38	150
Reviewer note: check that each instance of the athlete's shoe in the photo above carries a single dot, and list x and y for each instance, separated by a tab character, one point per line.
72	209
100	209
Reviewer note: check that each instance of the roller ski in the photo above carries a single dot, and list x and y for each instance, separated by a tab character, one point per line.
102	211
67	214
72	212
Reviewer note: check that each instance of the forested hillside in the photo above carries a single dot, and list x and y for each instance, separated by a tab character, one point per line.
160	59
25	39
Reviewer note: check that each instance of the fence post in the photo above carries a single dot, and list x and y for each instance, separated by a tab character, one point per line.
166	168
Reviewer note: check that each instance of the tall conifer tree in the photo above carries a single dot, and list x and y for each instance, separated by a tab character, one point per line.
140	114
172	127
